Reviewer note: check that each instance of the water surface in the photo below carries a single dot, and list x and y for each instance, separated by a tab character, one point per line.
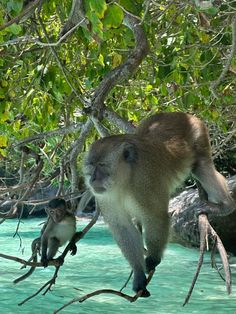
99	264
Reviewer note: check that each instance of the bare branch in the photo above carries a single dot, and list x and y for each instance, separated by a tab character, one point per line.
76	148
127	281
206	229
203	234
115	119
10	214
102	131
62	131
28	263
34	180
76	16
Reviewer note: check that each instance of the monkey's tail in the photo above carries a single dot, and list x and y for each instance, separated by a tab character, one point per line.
29	272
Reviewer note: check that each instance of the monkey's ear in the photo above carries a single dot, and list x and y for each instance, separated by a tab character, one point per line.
130	152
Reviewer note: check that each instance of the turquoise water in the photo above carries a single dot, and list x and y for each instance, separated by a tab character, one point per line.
99	264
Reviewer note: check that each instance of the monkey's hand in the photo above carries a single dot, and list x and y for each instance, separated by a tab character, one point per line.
73	249
212	209
60	260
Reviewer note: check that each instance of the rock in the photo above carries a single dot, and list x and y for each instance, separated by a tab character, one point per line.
184	224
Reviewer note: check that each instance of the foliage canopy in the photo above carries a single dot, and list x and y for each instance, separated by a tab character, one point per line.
54	55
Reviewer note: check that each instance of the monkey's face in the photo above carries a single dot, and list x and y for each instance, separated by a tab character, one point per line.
57	214
108	164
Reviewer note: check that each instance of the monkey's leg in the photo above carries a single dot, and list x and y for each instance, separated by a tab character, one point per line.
156	230
215	186
130	242
53	245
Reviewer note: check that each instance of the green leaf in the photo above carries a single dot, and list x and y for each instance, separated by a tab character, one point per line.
98	6
113	17
132	6
14	29
3	141
96	23
15	5
101	60
116	59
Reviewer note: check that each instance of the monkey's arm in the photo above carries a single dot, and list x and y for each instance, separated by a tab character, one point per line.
44	248
130	242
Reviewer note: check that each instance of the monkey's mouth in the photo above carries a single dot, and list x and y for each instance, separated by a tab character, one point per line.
97	187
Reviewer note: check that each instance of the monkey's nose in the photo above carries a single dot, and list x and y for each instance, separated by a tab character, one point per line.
98	175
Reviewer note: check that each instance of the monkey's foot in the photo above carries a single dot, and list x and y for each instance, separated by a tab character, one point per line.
144	293
60	260
139	285
44	262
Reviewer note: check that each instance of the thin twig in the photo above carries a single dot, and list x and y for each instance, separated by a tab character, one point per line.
224	259
203	234
62	131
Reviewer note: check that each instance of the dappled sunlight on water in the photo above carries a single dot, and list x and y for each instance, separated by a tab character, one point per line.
99	264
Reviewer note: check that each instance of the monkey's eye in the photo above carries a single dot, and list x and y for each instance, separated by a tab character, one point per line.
89	164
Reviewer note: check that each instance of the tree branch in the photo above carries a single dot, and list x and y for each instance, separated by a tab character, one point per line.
62	131
115	119
124	70
76	16
76	148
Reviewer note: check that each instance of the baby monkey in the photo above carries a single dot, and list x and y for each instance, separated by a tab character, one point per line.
57	230
60	228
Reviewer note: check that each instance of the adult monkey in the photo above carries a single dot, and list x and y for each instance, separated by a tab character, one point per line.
57	230
132	177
